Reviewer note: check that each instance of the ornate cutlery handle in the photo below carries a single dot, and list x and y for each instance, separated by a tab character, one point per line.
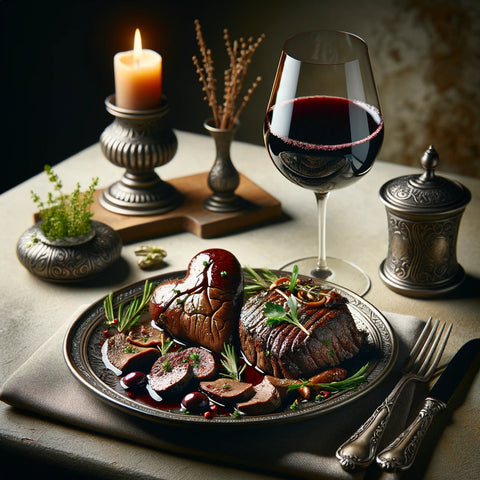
360	449
401	453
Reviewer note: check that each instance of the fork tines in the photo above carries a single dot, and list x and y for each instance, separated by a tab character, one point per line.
426	346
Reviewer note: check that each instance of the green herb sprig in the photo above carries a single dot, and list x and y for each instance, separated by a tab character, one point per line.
277	314
65	215
229	363
350	382
293	279
257	281
126	318
165	346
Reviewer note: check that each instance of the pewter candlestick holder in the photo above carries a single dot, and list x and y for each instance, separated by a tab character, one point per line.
139	141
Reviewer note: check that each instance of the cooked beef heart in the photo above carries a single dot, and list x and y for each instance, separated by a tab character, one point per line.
202	308
284	350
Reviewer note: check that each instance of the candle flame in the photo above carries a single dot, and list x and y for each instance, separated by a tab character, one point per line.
137	46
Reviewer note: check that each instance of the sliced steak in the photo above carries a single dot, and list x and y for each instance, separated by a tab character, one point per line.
125	357
202	308
227	391
282	385
265	400
284	350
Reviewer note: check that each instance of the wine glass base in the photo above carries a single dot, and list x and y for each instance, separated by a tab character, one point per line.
341	272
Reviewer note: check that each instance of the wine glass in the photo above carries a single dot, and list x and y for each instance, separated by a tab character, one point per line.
323	130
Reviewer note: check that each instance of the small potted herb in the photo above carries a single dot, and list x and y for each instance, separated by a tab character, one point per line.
65	218
66	244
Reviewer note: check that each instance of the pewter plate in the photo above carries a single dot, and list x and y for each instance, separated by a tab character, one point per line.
82	353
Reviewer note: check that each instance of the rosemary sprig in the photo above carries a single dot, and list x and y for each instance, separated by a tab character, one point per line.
126	318
276	314
257	281
165	346
229	362
350	382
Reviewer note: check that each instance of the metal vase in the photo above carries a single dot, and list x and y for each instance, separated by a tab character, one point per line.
223	178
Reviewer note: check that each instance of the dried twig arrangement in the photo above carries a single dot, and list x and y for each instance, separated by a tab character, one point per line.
240	52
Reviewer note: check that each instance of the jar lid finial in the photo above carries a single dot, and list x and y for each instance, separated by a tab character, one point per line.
430	161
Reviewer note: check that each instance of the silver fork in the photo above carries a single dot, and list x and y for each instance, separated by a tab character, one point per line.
360	449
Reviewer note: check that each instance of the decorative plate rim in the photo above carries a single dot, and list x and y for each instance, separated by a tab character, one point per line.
85	363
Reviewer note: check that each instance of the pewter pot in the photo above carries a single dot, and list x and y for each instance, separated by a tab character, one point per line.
423	214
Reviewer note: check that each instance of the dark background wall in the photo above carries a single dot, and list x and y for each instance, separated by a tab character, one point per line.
57	68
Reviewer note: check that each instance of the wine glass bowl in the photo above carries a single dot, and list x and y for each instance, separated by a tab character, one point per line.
323	129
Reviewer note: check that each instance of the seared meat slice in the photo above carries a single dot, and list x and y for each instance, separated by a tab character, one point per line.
170	375
201	360
227	391
172	372
285	351
125	357
202	308
265	400
144	334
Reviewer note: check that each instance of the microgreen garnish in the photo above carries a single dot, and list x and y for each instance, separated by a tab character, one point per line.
130	349
126	318
195	358
276	314
350	382
229	362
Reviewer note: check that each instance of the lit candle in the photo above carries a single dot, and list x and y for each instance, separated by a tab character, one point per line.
138	77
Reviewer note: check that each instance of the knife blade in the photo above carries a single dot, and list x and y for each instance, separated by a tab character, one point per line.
401	453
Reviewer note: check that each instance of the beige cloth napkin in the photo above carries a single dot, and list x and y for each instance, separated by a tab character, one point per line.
44	385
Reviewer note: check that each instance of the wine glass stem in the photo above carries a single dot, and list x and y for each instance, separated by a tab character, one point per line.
322	198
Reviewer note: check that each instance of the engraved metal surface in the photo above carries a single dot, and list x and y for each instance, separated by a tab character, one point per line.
69	262
423	216
139	141
401	453
83	356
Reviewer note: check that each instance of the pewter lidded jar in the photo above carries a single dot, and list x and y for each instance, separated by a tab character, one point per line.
423	214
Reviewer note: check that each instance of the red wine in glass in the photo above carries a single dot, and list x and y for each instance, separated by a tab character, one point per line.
330	141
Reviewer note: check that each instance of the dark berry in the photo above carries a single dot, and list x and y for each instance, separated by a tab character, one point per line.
195	402
133	380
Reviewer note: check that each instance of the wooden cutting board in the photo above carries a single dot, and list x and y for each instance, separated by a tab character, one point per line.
191	216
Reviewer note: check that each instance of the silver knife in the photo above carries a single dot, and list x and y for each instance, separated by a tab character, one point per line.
401	453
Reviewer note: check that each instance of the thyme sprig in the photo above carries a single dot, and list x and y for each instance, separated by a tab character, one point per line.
347	383
229	363
65	215
127	317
